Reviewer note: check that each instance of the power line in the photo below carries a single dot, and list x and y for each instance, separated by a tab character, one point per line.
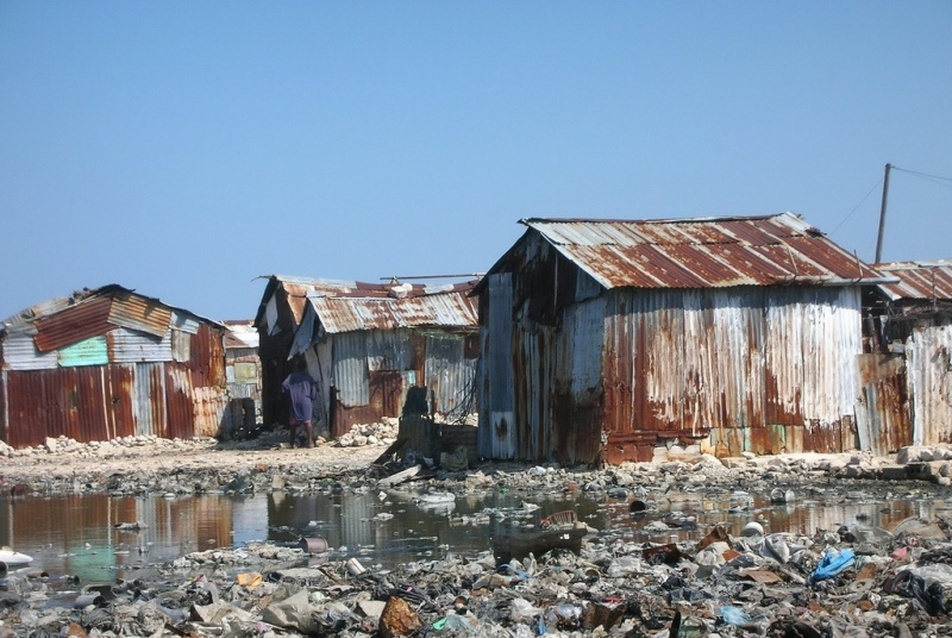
906	170
855	208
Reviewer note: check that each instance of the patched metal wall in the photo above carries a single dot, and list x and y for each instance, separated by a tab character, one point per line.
929	364
765	370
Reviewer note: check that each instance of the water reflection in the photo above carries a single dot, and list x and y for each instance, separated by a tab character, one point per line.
82	535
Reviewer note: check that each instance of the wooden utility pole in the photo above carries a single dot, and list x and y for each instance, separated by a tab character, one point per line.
882	216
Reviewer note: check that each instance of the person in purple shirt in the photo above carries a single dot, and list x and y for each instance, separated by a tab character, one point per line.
301	391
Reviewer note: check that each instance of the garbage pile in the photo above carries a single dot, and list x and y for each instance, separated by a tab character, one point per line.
849	582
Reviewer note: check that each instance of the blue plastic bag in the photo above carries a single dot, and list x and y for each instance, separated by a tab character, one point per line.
735	616
832	564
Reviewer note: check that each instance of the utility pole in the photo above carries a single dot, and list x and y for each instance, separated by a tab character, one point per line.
882	216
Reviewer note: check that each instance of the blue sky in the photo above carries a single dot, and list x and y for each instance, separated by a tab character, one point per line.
185	148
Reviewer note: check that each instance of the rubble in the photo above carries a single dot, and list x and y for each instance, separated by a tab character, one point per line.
824	584
856	580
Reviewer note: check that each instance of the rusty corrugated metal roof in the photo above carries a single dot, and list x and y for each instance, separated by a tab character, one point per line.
298	289
918	280
89	312
451	307
704	252
241	334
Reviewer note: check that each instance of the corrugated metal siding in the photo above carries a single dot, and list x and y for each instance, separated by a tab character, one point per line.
929	361
534	383
450	377
351	374
685	363
130	346
20	351
392	350
87	319
86	387
497	432
762	370
140	313
87	403
882	413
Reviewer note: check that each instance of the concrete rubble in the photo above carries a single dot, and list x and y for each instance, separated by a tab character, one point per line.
848	582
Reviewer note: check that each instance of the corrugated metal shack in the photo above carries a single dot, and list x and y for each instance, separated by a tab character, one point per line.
367	345
243	377
109	362
602	339
907	373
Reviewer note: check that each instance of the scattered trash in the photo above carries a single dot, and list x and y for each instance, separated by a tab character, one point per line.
832	564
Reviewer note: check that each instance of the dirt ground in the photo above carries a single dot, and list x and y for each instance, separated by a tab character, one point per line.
161	456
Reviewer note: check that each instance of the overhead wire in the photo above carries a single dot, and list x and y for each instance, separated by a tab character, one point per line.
855	208
935	179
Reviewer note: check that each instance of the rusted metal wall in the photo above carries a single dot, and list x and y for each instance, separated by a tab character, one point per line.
102	402
86	404
371	372
765	370
497	431
761	369
929	364
882	412
450	372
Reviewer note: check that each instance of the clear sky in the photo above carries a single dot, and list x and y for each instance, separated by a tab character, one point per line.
185	148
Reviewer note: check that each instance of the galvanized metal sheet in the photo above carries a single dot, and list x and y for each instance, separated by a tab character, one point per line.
132	346
704	253
929	366
20	351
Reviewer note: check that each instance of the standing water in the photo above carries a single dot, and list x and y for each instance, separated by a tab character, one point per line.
100	538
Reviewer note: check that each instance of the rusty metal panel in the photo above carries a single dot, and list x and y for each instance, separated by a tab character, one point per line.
144	314
86	404
182	403
207	361
82	321
883	421
149	399
449	374
347	314
703	253
929	366
209	406
393	349
534	378
918	280
497	438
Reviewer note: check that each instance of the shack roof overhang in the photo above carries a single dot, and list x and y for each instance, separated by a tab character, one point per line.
702	252
922	281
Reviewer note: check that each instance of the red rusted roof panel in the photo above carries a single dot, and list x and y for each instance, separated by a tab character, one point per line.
87	319
709	252
923	281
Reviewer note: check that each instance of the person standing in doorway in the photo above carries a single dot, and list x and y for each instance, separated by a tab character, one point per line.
301	391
